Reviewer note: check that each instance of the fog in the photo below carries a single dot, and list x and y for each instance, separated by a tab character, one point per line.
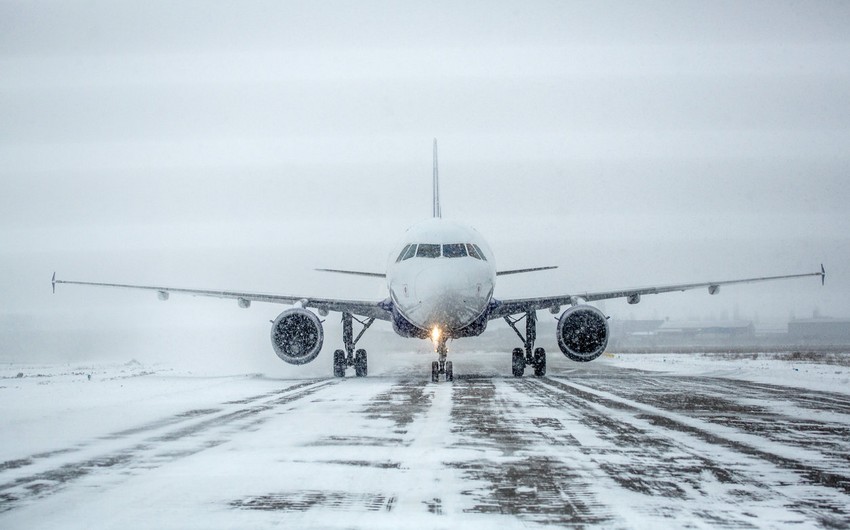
216	145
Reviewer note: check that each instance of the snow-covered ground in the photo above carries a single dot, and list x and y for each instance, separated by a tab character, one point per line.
827	372
628	441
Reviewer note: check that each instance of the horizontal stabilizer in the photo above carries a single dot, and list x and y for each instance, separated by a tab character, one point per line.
356	273
520	271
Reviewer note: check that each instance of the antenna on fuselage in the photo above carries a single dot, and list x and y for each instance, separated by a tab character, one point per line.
437	212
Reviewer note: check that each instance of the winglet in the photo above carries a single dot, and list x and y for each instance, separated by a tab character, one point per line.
437	212
53	282
822	274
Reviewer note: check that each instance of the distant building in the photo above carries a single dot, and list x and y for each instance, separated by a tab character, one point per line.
723	328
727	335
820	329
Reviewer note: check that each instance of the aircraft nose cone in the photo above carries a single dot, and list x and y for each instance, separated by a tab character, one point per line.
449	297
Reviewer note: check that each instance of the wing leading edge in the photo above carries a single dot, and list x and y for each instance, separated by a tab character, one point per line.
521	305
380	310
357	307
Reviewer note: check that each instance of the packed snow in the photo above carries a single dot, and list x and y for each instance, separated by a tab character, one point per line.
628	441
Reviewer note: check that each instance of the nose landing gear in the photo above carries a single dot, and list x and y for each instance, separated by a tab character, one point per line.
442	366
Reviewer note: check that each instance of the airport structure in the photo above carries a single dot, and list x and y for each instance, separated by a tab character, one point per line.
820	329
812	333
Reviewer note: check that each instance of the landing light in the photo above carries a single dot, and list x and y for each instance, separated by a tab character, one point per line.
435	334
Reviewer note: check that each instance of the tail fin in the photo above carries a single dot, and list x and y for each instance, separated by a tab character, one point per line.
437	212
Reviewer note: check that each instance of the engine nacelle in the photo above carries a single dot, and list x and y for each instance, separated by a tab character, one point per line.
297	336
582	333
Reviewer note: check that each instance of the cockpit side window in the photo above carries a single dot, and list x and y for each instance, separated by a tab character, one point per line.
473	252
454	250
480	252
426	250
402	253
411	251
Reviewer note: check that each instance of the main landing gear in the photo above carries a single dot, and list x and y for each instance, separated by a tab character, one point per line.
535	357
344	359
442	366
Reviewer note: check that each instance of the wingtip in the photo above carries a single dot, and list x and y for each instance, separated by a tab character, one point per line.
822	275
53	282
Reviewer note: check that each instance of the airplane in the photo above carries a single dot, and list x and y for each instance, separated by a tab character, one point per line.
440	281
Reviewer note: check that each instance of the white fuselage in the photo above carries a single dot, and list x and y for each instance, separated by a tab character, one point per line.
441	275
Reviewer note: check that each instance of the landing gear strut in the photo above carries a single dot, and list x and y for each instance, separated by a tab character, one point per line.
344	359
442	366
531	356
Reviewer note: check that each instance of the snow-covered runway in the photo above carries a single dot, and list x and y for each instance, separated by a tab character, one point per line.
601	444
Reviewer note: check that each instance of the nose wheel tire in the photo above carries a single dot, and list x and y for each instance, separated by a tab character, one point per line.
436	371
518	362
360	363
441	366
339	363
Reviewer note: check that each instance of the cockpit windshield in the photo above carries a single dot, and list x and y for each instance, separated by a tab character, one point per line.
427	250
454	250
449	250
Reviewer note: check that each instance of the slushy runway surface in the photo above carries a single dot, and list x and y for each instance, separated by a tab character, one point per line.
597	445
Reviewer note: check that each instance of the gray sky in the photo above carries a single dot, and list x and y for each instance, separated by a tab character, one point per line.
240	145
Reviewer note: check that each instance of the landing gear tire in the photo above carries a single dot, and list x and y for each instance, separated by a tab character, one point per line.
518	362
539	362
435	372
450	376
360	363
339	363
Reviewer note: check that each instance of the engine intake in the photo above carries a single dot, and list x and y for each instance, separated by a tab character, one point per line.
582	333
297	336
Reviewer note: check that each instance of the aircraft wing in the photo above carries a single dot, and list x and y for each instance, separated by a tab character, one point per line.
521	305
357	307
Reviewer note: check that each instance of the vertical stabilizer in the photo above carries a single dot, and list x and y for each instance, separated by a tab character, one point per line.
437	212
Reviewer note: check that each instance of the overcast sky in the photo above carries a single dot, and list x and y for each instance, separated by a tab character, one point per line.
240	145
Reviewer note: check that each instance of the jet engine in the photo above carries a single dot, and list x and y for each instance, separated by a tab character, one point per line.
297	336
582	333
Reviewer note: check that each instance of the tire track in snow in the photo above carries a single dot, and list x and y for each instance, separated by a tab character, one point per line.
421	457
148	452
795	417
744	432
518	473
670	456
381	431
151	426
